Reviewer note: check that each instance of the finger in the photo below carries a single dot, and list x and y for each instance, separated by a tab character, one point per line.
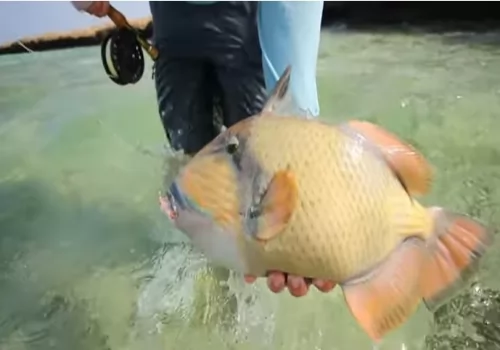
297	286
276	281
105	7
102	9
250	278
96	9
324	286
92	9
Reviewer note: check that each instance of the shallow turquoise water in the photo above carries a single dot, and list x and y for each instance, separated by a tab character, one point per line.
87	261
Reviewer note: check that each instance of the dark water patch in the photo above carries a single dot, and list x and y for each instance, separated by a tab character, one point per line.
471	23
36	216
49	241
447	15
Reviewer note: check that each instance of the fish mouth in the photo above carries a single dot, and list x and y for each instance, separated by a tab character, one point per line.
174	201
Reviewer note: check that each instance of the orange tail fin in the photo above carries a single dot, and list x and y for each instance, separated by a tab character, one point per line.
460	243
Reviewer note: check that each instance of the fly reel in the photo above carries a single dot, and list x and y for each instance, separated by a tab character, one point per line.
122	56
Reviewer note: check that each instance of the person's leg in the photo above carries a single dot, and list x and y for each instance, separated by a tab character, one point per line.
289	33
241	80
185	99
184	103
185	106
236	57
243	92
217	33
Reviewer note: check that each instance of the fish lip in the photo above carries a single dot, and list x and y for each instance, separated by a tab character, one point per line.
175	200
253	208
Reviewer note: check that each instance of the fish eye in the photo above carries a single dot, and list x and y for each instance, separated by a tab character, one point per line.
232	145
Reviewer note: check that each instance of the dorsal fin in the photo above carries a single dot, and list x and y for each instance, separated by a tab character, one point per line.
409	165
279	92
280	101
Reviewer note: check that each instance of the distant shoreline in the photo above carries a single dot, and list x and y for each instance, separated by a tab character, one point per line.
389	16
76	38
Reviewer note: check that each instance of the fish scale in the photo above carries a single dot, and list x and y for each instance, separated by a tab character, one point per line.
335	199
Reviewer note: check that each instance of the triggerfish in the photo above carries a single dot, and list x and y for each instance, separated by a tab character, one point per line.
278	192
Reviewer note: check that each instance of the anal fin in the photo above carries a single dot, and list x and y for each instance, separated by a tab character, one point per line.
384	298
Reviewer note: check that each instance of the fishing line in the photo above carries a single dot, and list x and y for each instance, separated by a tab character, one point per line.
19	42
102	123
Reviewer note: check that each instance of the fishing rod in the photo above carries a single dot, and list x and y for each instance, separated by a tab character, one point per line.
121	52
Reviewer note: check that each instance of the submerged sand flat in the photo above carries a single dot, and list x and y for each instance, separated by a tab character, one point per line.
87	261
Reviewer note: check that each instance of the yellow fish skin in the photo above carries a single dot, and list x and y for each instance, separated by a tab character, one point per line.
283	193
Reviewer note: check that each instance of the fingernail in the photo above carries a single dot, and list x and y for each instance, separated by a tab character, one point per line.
319	284
295	283
249	279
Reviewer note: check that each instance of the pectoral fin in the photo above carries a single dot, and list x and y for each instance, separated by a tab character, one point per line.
277	205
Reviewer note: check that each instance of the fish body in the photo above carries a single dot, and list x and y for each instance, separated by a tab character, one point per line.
350	211
283	193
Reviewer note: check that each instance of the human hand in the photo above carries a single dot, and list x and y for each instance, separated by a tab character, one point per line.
95	8
298	286
276	281
99	8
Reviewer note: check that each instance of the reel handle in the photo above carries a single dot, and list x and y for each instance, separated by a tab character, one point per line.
121	22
